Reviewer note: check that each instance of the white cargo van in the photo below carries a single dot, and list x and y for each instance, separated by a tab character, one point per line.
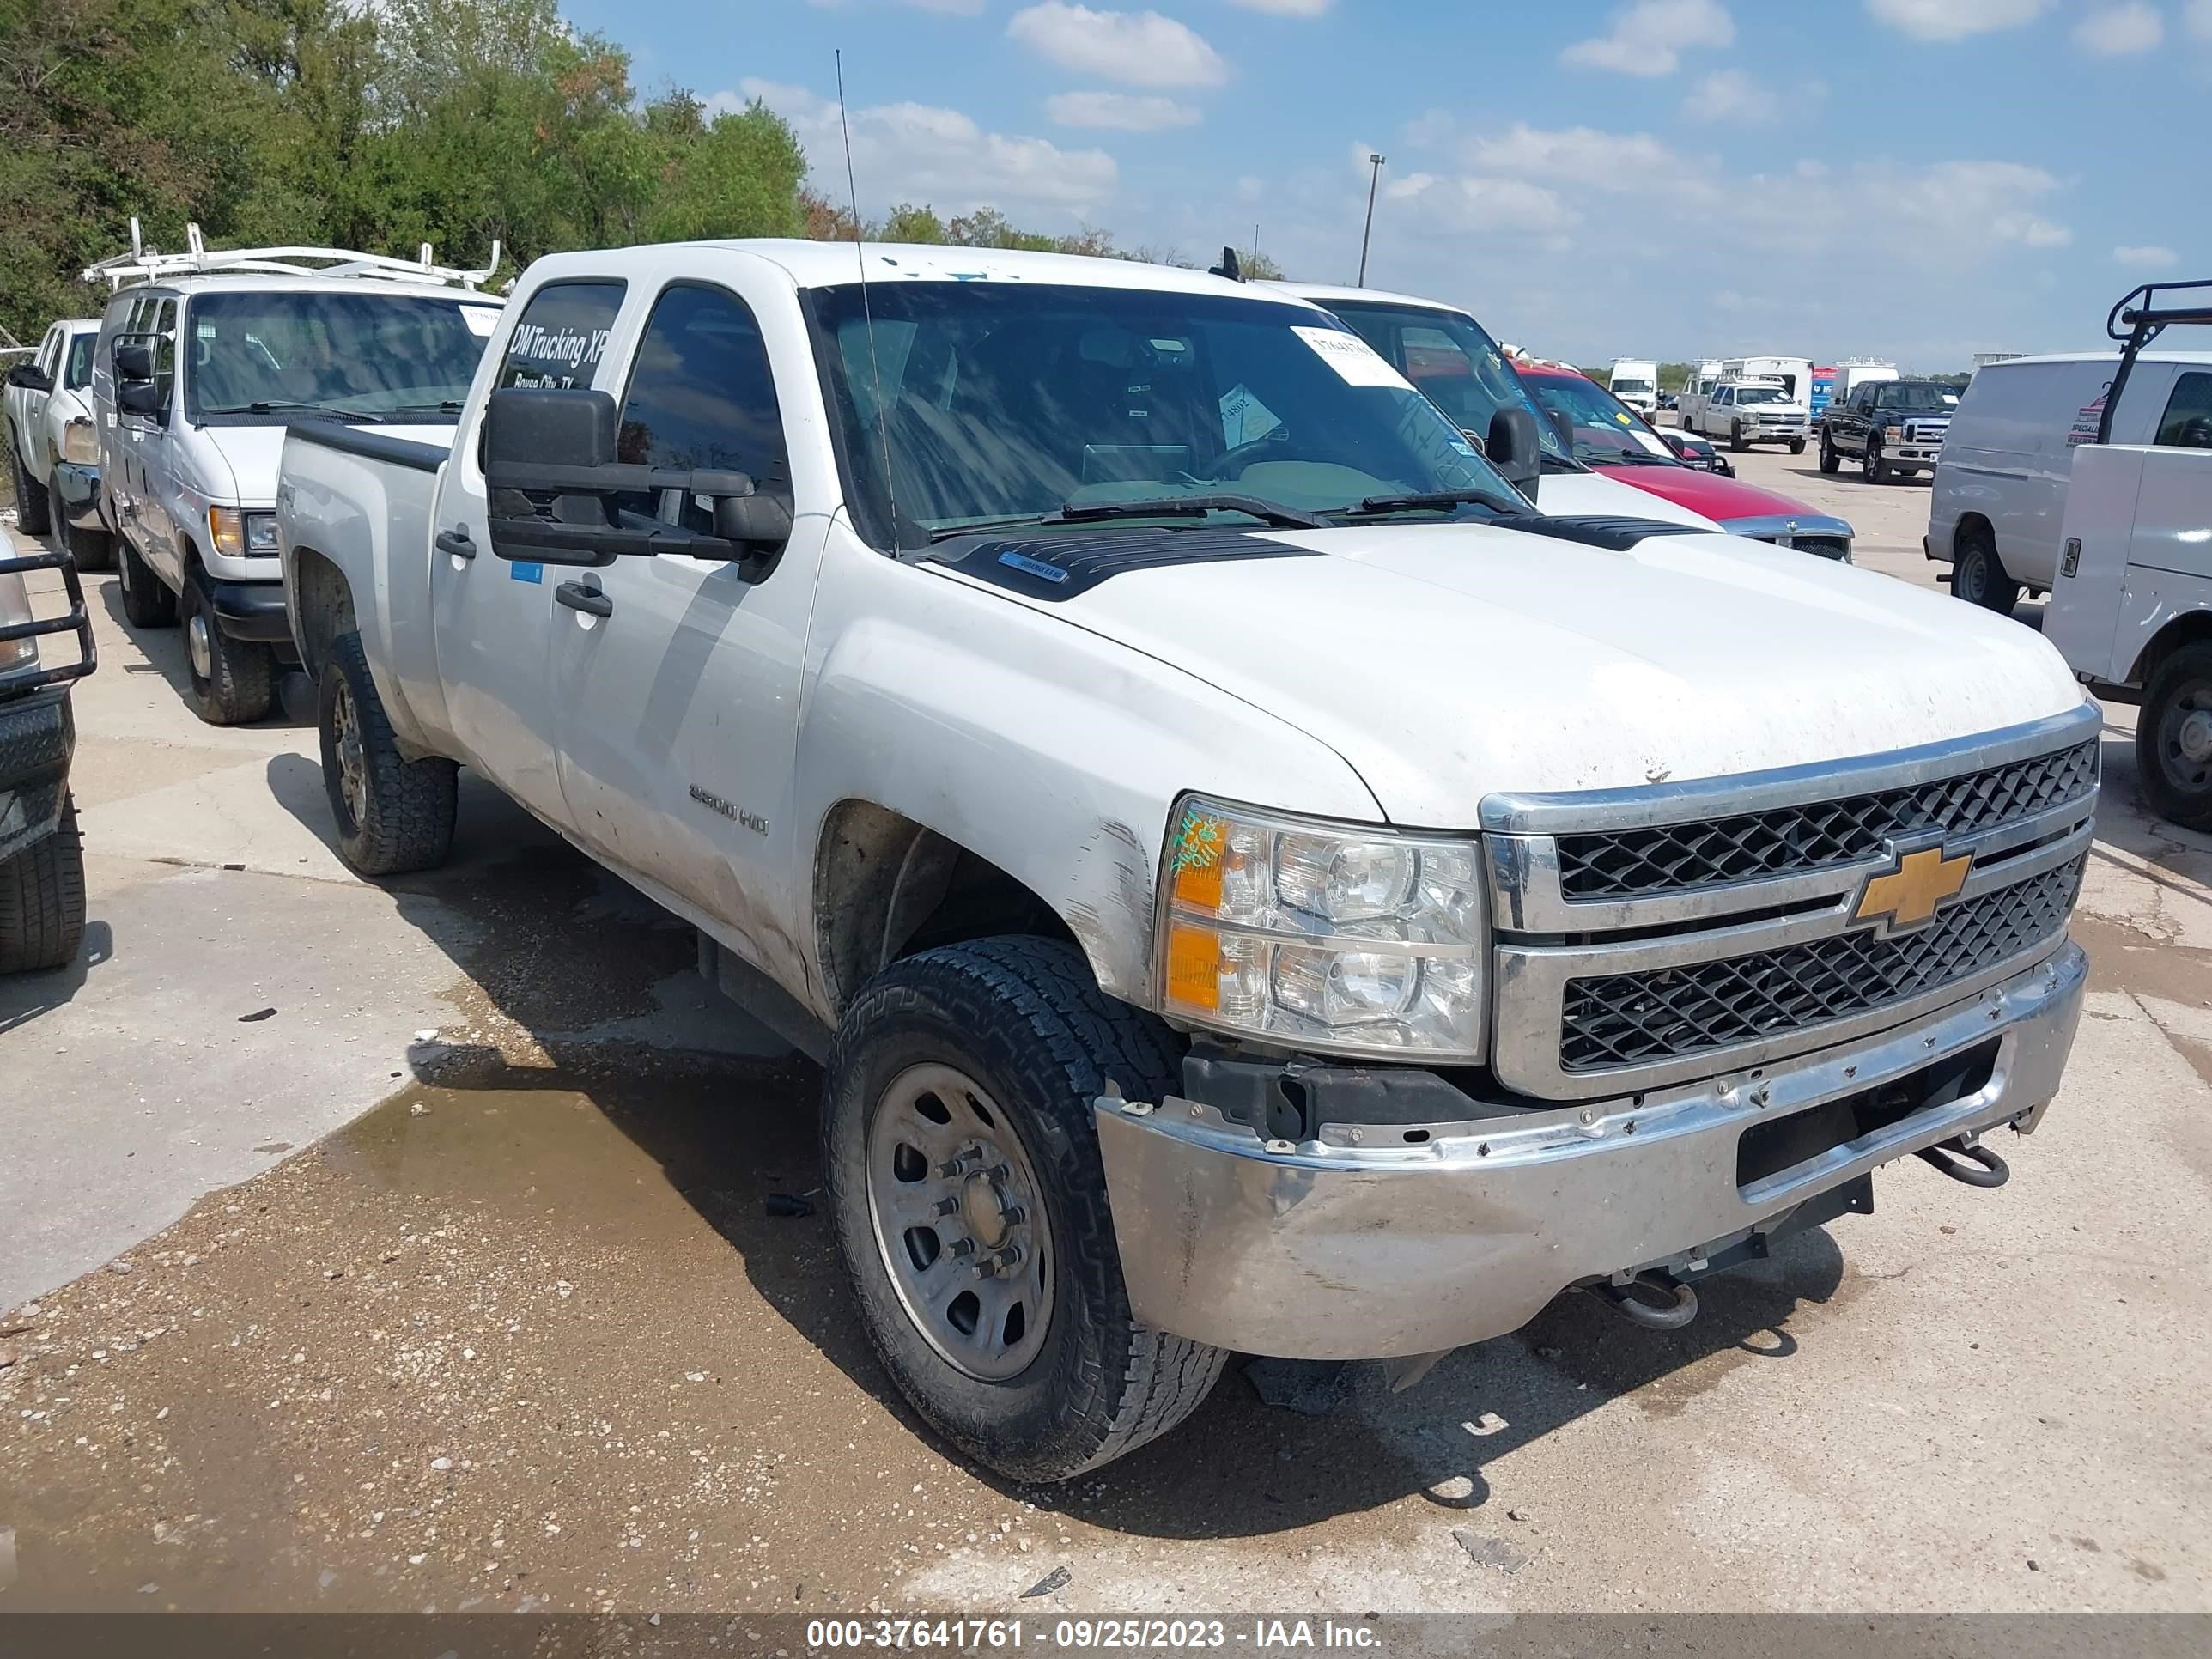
1999	501
1635	382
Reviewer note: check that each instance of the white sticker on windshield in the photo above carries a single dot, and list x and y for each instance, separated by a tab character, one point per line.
481	319
1355	360
1245	418
1656	446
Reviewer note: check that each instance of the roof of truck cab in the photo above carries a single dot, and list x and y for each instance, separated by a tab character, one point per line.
1324	294
2149	355
830	264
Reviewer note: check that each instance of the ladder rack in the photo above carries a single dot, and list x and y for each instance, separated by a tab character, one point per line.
146	264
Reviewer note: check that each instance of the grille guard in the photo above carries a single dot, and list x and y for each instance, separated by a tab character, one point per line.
77	620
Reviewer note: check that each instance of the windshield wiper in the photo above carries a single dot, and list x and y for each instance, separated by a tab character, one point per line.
441	406
1436	499
1165	506
271	406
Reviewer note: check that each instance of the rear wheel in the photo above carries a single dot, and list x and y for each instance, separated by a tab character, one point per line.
42	901
2173	738
1977	576
1830	461
393	814
31	503
146	602
233	680
90	551
962	1163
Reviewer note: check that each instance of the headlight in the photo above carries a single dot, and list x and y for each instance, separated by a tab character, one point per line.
15	607
81	443
233	532
1895	435
1335	937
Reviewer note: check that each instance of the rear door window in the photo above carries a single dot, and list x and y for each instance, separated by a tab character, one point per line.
165	350
2187	422
701	397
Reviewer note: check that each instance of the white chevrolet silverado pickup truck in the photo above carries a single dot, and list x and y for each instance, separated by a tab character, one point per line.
1256	882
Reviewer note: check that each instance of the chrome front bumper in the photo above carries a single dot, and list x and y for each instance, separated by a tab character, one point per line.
1383	1247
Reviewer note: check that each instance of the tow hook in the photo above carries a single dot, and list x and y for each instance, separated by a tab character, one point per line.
1981	1168
1678	1309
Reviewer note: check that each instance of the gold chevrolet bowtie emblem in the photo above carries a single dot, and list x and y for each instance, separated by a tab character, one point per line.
1923	883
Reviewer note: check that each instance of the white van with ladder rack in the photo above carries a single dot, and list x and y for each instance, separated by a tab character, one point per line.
205	359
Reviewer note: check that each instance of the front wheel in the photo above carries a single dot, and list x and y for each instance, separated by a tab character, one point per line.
1872	467
42	901
90	551
2173	738
234	681
1796	446
963	1167
393	814
32	506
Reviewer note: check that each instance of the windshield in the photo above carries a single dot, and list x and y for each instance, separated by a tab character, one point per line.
1918	400
1006	401
1639	387
1760	394
1607	432
361	353
1455	365
77	368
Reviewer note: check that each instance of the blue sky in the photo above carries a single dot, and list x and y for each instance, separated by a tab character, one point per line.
1914	178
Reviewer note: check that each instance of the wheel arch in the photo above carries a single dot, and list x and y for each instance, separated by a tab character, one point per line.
2190	627
321	602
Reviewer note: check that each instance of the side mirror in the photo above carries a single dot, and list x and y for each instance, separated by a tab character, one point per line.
134	360
1564	424
29	377
1515	449
546	429
139	398
757	525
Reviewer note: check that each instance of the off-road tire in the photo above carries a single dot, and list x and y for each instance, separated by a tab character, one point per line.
1830	463
1023	1018
147	603
241	679
1872	467
2174	789
1737	441
407	823
90	551
1977	575
33	510
42	901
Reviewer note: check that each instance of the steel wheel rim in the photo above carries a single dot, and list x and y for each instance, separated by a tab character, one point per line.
959	1222
2186	726
198	645
345	743
1971	575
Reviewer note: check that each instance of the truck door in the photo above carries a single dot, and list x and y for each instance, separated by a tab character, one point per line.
492	618
678	700
161	528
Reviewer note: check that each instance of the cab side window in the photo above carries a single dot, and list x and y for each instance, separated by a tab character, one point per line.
2187	423
561	335
701	397
165	350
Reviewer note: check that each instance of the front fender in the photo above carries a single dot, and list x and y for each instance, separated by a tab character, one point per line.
1053	752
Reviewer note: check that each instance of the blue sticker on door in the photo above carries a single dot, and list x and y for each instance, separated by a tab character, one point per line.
525	570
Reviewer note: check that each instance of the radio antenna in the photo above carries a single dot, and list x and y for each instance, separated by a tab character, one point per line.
867	311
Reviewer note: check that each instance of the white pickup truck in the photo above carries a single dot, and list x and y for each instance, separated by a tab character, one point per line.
1256	882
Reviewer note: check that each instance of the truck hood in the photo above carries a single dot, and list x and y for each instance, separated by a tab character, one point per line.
1445	662
1603	493
1720	499
253	454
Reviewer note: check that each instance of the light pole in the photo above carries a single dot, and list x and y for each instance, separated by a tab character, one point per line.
1374	179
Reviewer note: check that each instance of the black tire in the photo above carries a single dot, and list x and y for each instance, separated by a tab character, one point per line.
90	551
33	516
2174	786
1872	467
239	681
1977	575
1023	1018
1830	461
42	901
146	602
403	817
1796	446
1737	441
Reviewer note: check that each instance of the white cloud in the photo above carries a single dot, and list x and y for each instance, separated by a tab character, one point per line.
1494	206
1138	48
1606	161
2116	31
1954	20
1648	36
1731	95
1119	112
2149	257
920	152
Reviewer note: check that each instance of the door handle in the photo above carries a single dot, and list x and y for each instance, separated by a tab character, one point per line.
456	542
589	600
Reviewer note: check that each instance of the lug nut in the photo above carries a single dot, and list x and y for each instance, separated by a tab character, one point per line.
948	1206
962	1247
1015	1215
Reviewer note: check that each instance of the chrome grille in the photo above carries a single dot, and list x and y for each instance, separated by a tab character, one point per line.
1747	847
1636	1019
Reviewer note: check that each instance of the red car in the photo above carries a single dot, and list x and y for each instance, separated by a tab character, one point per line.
1608	434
